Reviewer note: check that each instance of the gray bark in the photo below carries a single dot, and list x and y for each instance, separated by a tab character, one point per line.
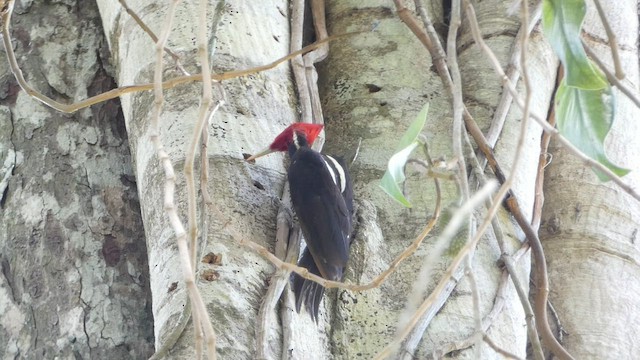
393	60
247	34
590	228
74	280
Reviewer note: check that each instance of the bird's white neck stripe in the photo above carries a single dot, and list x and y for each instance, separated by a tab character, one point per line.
330	168
296	140
339	169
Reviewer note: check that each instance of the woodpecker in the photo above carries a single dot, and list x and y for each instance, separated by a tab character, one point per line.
322	197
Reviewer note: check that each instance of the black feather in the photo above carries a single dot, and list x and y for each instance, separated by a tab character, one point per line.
325	213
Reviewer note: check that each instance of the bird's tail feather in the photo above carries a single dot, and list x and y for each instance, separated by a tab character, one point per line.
306	291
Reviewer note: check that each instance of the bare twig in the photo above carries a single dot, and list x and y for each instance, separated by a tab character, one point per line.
475	296
408	321
111	94
458	105
204	160
498	349
153	36
543	161
488	320
543	123
198	308
556	318
631	93
513	73
277	284
457	137
613	41
408	349
297	63
509	271
318	54
309	99
538	252
528	310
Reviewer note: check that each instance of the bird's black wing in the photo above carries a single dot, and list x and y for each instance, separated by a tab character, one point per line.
347	193
324	216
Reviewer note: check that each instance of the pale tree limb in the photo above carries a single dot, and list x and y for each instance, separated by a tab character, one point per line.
198	307
411	342
434	47
499	350
543	287
432	43
279	280
413	339
631	93
543	161
408	346
317	55
504	189
277	284
524	40
613	41
528	310
458	105
285	245
192	216
510	272
287	312
204	161
513	73
407	320
5	15
475	297
201	121
309	99
489	319
458	109
548	128
297	63
153	36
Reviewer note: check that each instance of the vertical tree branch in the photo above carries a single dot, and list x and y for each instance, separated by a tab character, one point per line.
199	310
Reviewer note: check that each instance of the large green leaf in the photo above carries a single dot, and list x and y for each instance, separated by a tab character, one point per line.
394	176
562	21
585	118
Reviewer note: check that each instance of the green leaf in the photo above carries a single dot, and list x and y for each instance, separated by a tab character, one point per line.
562	21
585	118
394	176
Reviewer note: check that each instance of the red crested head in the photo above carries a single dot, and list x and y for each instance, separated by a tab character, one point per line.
286	137
293	133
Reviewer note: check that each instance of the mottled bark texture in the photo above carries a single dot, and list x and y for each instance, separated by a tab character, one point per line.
373	87
242	34
74	280
590	229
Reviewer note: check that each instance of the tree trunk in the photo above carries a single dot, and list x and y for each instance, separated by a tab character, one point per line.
243	35
74	281
398	66
74	268
590	228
